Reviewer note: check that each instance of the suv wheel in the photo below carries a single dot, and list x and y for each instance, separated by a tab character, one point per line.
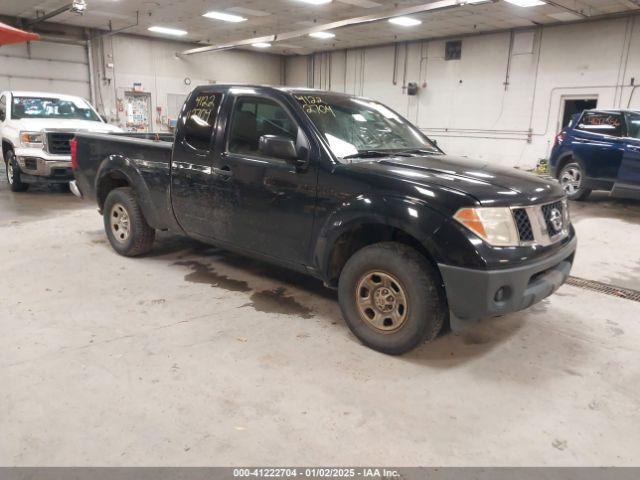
127	230
13	173
571	178
392	298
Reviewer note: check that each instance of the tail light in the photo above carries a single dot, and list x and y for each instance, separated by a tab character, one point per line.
73	145
559	139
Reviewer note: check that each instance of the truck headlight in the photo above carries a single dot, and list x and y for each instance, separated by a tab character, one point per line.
495	225
32	139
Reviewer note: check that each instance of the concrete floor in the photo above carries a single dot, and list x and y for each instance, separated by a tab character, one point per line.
191	356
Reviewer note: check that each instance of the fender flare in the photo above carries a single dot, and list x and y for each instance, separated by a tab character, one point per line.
413	217
123	166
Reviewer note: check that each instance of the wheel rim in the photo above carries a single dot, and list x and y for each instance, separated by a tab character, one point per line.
10	172
120	225
571	180
381	301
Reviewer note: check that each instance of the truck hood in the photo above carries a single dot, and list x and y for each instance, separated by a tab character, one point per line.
37	124
487	184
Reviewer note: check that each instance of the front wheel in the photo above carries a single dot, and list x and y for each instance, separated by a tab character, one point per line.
127	229
13	174
392	298
571	179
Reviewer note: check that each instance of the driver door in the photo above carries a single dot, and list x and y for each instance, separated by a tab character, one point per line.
264	204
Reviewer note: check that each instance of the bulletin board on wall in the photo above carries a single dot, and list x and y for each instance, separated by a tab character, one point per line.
137	110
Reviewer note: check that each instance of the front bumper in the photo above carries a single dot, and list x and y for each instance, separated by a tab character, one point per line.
473	294
45	168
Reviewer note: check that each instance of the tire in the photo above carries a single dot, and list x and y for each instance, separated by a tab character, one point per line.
365	300
13	173
571	178
127	230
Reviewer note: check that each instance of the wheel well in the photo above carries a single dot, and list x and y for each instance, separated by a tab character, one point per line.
362	236
6	146
109	182
563	162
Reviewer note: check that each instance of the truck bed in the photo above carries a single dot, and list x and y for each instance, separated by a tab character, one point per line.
147	158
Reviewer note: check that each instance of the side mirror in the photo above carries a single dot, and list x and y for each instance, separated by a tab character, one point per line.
278	147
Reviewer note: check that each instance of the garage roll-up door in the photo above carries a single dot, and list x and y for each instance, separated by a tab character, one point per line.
46	67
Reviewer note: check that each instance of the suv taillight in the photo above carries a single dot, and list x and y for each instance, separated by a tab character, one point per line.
73	145
559	139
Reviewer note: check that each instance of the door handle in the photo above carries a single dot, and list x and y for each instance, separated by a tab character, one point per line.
222	172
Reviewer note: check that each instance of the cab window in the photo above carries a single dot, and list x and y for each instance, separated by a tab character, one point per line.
633	125
200	120
601	122
254	117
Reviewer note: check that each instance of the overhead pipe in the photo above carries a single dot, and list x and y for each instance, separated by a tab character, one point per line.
54	13
119	30
567	9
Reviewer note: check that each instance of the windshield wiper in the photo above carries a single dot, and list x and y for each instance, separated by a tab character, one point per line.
428	151
370	154
377	154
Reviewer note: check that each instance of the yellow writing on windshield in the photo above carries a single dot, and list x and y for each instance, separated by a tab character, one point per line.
314	104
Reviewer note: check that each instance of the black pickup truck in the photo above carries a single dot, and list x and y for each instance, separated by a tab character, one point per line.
344	189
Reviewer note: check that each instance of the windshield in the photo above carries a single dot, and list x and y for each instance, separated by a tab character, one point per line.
44	107
356	127
633	125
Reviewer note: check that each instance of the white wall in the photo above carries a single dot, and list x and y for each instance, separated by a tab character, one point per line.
465	105
154	64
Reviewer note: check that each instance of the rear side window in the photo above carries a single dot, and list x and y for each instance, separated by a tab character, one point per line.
3	108
601	122
200	119
254	117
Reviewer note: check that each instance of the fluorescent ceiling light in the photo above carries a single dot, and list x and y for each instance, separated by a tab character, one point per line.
168	31
526	3
261	45
405	21
322	35
316	2
225	17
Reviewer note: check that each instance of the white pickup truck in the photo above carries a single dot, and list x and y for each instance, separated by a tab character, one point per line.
35	129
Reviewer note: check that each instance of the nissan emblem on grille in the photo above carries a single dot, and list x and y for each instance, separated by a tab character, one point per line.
555	218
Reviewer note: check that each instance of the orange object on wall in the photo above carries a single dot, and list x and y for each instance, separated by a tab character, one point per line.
9	34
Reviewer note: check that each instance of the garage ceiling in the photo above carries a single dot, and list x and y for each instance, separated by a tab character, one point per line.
266	17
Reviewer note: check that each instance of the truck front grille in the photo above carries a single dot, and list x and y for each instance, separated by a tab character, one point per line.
58	142
523	224
541	224
553	217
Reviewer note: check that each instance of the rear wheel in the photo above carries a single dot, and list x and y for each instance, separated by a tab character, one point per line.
13	173
572	180
127	229
391	298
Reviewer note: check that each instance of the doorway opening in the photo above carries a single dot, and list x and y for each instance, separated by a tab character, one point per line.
571	106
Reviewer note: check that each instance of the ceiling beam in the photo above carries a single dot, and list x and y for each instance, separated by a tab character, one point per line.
349	22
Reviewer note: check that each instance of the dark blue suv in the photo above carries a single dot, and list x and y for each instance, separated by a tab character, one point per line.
599	150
